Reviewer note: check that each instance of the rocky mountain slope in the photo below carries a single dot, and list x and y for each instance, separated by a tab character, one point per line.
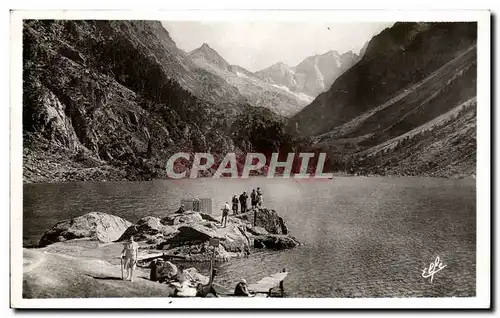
313	75
258	92
113	100
407	108
210	56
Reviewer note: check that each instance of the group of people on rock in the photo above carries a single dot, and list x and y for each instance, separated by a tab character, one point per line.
256	199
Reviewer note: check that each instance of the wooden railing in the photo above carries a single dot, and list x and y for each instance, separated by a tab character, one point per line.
198	204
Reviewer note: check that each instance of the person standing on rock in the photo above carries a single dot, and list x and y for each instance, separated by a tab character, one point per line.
243	202
129	252
253	198
197	205
225	213
235	204
259	198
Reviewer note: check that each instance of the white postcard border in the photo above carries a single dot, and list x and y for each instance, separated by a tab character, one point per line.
483	190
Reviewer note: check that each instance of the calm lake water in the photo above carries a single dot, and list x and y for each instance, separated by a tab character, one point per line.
362	236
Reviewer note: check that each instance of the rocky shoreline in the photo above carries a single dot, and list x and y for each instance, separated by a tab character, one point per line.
90	246
185	234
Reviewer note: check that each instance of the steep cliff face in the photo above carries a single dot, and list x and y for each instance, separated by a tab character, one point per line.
317	73
396	58
279	74
113	100
407	108
313	75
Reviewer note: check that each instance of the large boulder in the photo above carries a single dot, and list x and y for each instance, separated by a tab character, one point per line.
232	238
94	225
180	218
257	230
208	217
276	242
194	233
235	239
267	219
149	229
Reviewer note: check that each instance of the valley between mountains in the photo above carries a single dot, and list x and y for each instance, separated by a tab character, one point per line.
113	100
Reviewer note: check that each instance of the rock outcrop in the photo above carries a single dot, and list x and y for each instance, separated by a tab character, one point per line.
231	237
266	219
186	234
186	217
95	225
276	242
257	230
237	239
149	229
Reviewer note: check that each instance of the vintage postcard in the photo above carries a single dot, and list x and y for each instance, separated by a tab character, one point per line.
250	159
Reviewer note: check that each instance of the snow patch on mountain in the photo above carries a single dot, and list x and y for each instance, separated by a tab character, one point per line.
239	74
301	96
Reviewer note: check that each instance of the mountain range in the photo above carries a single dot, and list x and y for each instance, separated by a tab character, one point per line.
113	100
313	75
283	89
258	92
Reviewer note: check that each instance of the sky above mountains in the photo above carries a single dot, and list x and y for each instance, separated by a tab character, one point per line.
258	45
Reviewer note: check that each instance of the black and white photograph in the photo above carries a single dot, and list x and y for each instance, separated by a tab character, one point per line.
177	159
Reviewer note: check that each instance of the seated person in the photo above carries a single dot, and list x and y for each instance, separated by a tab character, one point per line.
166	271
242	289
183	276
181	209
185	285
153	276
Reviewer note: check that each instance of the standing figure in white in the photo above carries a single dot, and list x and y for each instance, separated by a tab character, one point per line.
129	253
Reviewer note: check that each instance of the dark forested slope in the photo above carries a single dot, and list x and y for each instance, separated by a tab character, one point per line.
112	100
